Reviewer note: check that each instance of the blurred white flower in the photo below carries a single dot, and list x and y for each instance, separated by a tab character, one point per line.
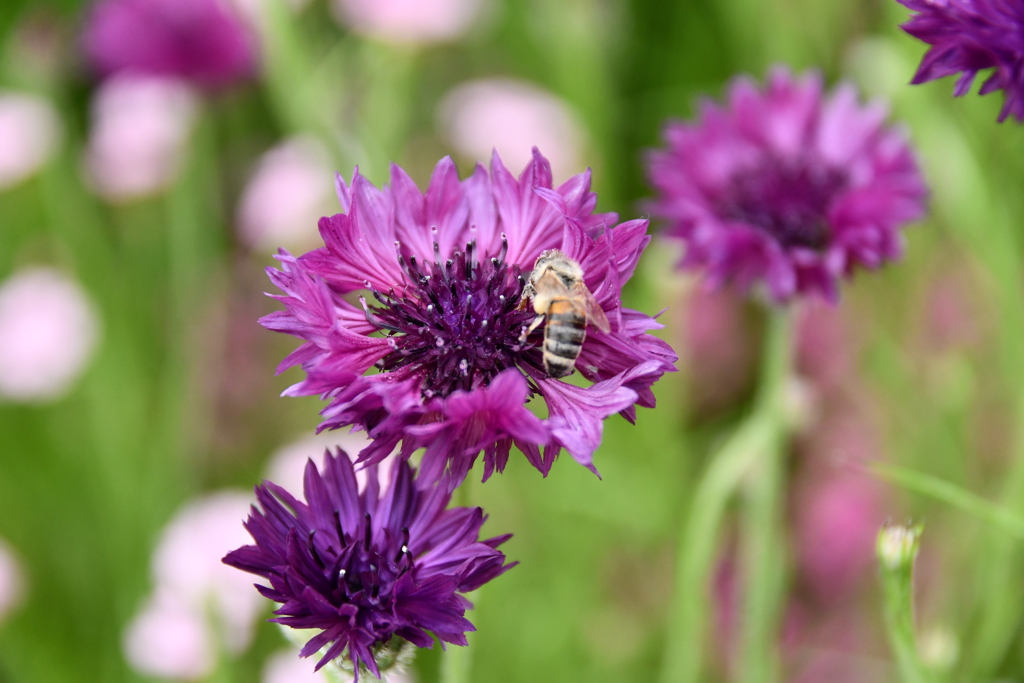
287	667
408	21
512	116
293	186
198	601
169	641
29	132
12	581
288	464
48	331
140	125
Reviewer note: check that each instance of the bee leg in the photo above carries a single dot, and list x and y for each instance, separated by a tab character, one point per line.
528	292
534	325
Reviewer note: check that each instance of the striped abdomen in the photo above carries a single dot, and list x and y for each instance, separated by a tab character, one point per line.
563	336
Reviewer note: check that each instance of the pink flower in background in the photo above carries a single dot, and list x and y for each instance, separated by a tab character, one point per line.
787	186
12	581
169	640
191	585
837	521
140	125
287	667
29	133
202	41
512	117
720	353
408	21
287	466
284	199
48	331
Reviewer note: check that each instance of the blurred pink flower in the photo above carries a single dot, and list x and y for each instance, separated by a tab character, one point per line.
288	465
169	640
512	117
287	667
286	196
718	348
824	352
837	521
48	331
408	21
12	581
140	126
29	132
197	602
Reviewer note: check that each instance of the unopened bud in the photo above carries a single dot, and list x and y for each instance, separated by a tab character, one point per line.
897	546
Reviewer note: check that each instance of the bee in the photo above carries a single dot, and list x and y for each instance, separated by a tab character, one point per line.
560	295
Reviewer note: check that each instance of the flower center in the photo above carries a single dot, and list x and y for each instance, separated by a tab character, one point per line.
456	323
360	571
789	201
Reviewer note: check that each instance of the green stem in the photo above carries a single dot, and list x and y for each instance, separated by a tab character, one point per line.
897	551
762	533
757	435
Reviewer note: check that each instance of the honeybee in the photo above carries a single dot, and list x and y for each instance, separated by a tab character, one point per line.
560	295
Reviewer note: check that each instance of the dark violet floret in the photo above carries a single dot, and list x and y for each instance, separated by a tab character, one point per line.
364	568
198	40
786	187
969	36
423	291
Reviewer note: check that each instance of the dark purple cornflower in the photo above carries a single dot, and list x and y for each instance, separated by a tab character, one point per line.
440	324
198	40
363	568
786	186
968	36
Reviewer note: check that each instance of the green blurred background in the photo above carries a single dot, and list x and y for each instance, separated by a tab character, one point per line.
180	398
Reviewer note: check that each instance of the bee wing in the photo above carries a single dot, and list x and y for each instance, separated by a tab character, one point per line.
595	313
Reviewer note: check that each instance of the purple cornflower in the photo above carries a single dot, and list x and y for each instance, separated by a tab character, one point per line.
786	186
968	36
445	270
198	40
363	568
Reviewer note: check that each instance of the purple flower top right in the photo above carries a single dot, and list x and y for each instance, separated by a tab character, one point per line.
786	187
968	36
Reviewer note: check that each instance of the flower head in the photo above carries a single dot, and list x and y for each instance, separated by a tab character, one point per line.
968	36
199	40
787	186
363	567
446	270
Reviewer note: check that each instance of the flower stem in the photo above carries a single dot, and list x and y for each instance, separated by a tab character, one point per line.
897	551
759	433
762	534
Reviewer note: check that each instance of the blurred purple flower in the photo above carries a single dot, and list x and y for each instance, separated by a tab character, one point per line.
365	567
968	36
786	186
447	270
202	41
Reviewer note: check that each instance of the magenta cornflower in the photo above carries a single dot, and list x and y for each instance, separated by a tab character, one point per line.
364	568
786	187
968	36
198	40
440	323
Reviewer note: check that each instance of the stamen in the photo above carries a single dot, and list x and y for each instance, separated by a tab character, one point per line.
312	550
